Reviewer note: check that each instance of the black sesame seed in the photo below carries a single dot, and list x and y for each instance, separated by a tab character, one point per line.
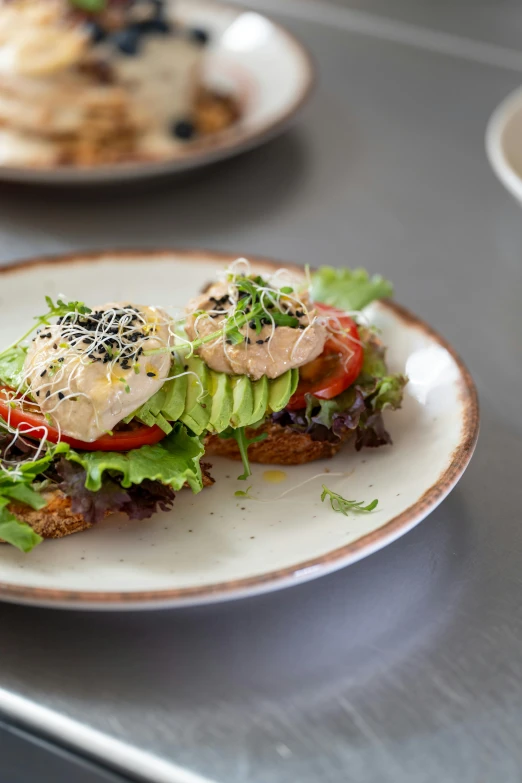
299	313
48	394
260	342
60	359
228	342
151	374
43	373
302	326
61	395
37	393
252	324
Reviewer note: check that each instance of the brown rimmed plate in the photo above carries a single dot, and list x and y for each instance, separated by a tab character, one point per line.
215	546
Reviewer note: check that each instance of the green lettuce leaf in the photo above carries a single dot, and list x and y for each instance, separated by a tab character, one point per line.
174	461
383	389
348	289
24	493
389	392
27	472
324	411
15	532
12	367
17	485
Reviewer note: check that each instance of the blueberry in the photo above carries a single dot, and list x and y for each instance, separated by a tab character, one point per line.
199	36
128	40
157	25
95	31
183	129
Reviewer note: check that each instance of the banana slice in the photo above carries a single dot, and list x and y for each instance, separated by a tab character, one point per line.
44	51
27	14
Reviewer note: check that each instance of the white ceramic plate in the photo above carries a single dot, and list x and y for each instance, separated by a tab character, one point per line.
215	546
257	60
504	143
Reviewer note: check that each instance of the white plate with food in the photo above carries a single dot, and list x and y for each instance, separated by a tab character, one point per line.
134	88
163	377
504	143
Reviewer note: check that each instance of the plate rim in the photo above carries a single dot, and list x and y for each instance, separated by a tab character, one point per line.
494	142
197	157
293	574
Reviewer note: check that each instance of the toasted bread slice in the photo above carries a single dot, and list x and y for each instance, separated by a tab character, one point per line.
57	520
282	446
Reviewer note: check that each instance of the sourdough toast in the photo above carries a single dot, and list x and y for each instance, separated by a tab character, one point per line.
282	446
57	519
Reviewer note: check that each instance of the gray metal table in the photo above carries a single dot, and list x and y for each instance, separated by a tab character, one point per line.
405	667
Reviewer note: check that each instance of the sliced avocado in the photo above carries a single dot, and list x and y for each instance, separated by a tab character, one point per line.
280	390
146	417
150	412
163	424
295	381
221	390
175	395
197	401
242	401
150	409
260	400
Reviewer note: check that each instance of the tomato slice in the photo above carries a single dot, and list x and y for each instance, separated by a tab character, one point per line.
31	423
339	364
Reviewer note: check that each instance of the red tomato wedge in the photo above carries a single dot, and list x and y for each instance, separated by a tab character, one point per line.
339	364
30	422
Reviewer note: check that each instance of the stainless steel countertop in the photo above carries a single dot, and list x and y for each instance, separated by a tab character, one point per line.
406	667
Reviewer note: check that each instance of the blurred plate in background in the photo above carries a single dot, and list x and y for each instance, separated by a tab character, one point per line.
255	60
504	143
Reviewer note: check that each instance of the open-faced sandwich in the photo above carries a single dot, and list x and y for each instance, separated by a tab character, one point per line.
112	408
71	451
308	338
97	81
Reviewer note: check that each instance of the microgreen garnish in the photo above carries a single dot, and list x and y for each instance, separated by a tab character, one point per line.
126	385
282	319
343	506
252	301
243	493
58	310
243	443
91	6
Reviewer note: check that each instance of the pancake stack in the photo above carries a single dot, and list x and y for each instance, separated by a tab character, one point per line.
85	88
